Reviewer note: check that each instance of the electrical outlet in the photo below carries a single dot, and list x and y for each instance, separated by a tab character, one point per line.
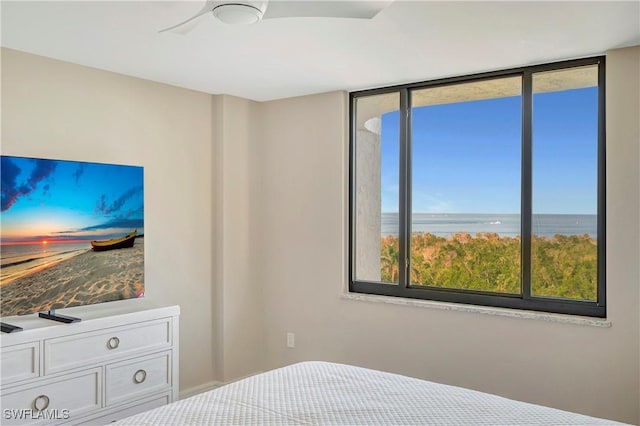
291	340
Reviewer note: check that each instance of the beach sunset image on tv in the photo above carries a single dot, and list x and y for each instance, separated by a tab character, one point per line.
71	233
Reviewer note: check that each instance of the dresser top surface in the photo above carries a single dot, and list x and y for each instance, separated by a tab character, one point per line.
92	317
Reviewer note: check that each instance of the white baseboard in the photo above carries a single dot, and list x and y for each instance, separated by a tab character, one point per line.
186	393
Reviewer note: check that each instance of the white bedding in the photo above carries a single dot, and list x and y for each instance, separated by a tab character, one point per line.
322	393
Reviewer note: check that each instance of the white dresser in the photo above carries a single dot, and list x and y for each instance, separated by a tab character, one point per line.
121	359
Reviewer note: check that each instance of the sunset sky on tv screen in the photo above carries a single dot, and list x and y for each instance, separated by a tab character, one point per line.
53	201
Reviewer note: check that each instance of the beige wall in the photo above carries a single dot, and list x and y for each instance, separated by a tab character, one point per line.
259	195
623	188
301	233
53	109
240	319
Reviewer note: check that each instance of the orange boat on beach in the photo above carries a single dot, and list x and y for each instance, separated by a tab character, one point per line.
116	243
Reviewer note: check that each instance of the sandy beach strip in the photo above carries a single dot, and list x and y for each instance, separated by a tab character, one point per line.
90	277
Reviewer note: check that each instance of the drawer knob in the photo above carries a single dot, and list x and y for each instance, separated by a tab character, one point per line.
113	343
140	376
41	403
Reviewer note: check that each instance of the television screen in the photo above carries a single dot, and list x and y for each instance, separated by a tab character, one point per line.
71	233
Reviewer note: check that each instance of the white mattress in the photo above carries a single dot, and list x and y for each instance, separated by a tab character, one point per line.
321	393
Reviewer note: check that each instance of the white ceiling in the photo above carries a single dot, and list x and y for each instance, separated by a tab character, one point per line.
408	41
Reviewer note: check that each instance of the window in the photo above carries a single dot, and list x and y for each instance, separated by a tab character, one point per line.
484	190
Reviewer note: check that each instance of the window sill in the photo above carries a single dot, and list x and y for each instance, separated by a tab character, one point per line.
485	310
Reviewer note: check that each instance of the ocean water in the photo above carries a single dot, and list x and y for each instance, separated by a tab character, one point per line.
507	225
15	259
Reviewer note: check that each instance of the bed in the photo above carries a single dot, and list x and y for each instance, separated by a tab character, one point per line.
323	393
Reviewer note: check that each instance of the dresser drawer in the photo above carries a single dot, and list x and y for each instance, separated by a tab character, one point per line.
82	349
20	362
138	377
126	411
53	400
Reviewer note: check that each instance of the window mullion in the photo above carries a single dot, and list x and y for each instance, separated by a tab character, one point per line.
404	216
527	189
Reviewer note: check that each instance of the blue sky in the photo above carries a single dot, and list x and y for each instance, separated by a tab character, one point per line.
63	201
466	156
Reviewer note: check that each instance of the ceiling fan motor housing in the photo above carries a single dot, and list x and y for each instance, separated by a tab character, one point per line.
240	12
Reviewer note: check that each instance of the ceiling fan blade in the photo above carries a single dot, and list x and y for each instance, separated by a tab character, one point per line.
184	27
354	9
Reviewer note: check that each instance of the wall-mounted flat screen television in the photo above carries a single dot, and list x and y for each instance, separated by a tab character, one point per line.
71	233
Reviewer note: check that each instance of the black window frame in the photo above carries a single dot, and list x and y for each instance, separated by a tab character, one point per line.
525	300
